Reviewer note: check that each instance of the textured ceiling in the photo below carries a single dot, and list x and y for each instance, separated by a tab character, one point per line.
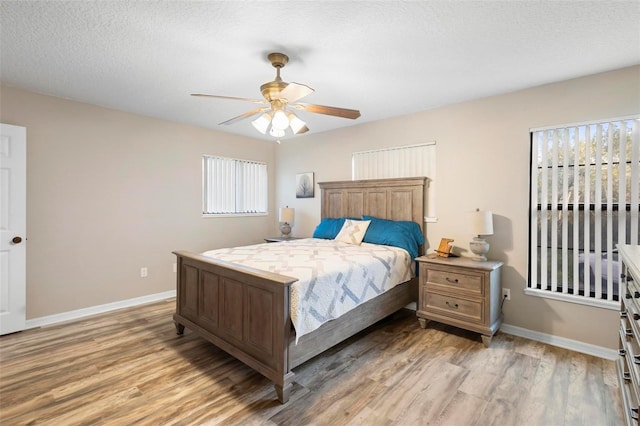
385	58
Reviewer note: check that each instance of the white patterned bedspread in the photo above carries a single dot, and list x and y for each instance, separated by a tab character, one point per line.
333	277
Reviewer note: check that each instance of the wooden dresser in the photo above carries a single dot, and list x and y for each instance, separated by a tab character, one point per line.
628	364
460	292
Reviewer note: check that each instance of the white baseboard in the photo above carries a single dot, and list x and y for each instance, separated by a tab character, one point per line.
100	309
550	339
561	342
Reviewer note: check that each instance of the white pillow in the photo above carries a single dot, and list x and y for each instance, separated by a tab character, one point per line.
353	231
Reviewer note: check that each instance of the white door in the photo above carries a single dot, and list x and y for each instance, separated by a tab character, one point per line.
13	226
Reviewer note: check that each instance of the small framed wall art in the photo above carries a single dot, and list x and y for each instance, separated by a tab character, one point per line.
304	185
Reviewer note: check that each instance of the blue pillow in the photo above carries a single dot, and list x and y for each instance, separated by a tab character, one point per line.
328	228
403	234
411	227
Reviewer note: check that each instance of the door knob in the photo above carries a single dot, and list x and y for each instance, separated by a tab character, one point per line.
16	240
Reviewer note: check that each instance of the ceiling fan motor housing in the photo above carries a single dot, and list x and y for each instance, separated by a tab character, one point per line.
272	89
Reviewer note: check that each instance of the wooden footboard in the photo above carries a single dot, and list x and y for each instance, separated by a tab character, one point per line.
246	311
242	310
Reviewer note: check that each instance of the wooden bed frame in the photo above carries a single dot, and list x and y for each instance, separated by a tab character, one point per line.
245	311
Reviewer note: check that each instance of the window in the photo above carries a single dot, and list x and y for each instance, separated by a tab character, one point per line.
397	162
584	201
232	187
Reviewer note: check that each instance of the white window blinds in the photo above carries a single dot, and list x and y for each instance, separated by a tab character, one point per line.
232	186
397	162
584	201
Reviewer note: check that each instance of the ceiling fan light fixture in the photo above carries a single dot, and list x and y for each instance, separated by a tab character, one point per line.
279	96
275	132
296	124
262	123
280	120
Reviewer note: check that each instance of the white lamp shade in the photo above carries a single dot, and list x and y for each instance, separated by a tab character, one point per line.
295	123
286	214
276	133
261	123
280	120
482	223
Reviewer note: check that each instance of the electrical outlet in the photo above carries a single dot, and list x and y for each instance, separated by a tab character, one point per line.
143	272
175	267
506	293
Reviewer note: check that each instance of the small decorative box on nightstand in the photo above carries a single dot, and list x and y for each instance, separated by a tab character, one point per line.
460	292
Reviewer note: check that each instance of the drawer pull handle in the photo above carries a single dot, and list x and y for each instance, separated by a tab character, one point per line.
452	281
626	376
634	413
627	296
636	316
626	277
452	305
636	358
628	332
636	294
623	314
622	352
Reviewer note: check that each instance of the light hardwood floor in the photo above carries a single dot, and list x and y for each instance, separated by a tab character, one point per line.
130	367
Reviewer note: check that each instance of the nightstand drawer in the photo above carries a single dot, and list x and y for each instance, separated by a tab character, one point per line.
450	280
469	310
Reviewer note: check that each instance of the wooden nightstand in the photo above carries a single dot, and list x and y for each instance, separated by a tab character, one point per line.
460	292
279	239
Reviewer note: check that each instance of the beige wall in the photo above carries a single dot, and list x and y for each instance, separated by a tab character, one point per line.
110	192
482	162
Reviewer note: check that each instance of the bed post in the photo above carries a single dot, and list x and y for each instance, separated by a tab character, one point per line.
284	390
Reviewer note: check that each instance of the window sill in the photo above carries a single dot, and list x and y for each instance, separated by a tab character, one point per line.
563	297
204	215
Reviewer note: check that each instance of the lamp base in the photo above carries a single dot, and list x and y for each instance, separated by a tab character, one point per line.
285	230
479	247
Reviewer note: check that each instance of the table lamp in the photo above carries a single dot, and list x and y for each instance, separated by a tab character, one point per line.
481	224
286	219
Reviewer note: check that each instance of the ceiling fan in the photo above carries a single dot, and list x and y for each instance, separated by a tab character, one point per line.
279	98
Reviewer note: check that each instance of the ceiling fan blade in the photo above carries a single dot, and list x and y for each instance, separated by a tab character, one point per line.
255	101
328	110
243	116
295	91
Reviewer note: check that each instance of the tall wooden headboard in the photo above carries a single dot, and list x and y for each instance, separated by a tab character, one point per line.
395	199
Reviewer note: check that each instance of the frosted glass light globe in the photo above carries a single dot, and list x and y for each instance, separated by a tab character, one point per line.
276	133
280	120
